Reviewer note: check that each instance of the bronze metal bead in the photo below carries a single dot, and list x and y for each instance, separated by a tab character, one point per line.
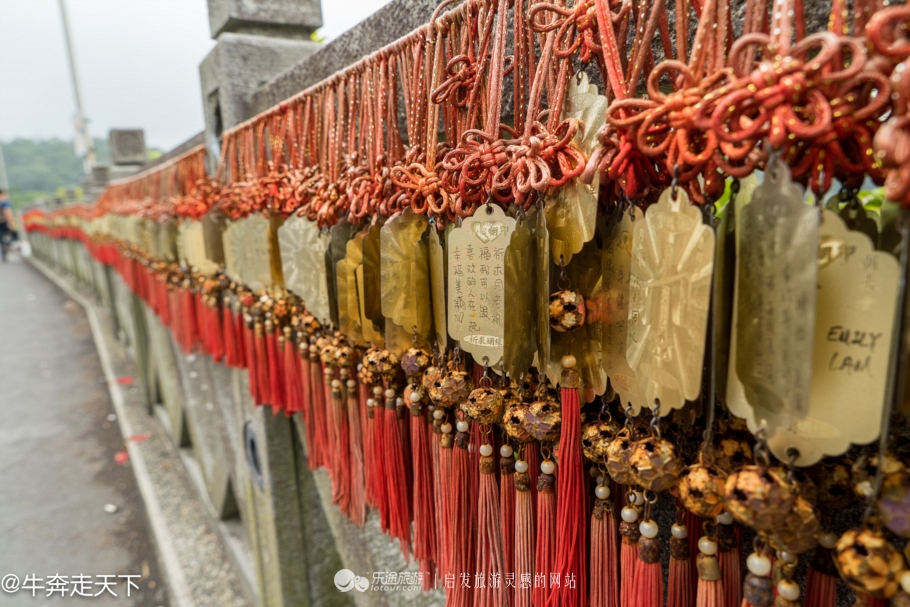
758	498
513	421
901	599
596	437
679	548
414	361
344	356
618	454
758	590
655	464
894	502
865	469
869	563
707	566
567	311
780	601
731	453
543	420
701	490
451	389
431	375
832	479
649	550
798	533
484	405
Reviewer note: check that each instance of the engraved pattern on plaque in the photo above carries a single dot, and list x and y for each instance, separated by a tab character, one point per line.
854	326
572	209
476	258
777	279
669	296
520	316
617	267
256	254
303	249
406	274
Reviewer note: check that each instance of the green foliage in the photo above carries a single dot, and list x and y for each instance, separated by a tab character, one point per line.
315	37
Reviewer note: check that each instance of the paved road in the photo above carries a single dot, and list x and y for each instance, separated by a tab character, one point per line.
58	442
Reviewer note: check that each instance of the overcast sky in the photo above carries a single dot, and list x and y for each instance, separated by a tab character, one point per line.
137	59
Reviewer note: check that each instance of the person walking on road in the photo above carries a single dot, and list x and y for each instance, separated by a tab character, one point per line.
8	233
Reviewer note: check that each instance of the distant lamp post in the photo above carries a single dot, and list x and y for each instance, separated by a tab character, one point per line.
85	148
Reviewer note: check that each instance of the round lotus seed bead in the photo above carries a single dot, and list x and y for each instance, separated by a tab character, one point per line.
547	466
707	546
390	393
788	590
415	396
648	529
787	557
521	466
758	564
568	361
336	383
602	492
904	579
446	428
352	384
629	514
439	414
724	518
462	426
377	391
828	540
639	498
371	402
505	451
680	532
486	450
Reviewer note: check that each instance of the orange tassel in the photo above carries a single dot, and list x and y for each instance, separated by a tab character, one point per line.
628	561
821	583
262	364
378	477
292	374
355	433
507	508
490	565
341	441
446	510
649	579
275	375
680	586
424	510
570	531
525	543
729	559
243	352
462	530
604	587
317	413
544	554
396	477
231	355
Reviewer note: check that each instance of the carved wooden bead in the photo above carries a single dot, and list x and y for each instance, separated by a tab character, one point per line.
655	464
451	389
894	503
513	422
701	490
869	563
758	498
596	438
484	405
618	454
543	420
414	361
567	311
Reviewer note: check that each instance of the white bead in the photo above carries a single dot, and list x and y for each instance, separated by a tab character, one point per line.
758	564
336	383
371	402
639	498
904	579
439	414
568	361
706	546
629	514
724	518
486	450
680	532
602	492
312	349
788	590
328	372
377	391
600	479
521	466
648	529
415	396
827	540
787	557
548	466
352	383
462	426
359	366
399	401
390	393
505	451
446	428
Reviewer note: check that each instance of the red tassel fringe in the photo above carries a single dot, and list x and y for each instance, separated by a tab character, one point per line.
604	587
